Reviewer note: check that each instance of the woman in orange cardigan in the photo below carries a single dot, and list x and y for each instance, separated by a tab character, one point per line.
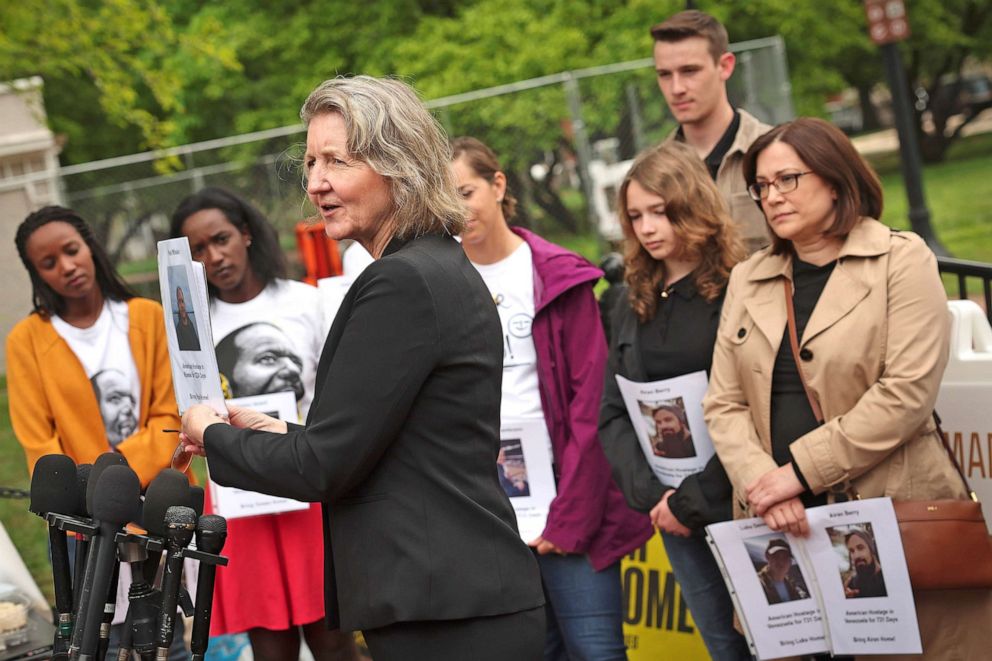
88	370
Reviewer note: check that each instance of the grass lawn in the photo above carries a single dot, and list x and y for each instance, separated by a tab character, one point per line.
957	193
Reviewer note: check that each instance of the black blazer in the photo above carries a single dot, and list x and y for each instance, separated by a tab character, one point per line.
400	446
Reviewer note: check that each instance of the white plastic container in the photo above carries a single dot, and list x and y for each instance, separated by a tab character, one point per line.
964	403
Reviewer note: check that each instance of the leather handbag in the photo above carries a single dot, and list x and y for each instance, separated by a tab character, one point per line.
927	526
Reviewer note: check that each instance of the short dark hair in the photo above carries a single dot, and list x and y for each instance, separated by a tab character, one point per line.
265	256
829	153
693	23
44	299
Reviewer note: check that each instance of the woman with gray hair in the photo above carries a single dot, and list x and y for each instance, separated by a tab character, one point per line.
402	437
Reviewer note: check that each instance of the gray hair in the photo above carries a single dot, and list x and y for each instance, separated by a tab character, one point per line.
391	130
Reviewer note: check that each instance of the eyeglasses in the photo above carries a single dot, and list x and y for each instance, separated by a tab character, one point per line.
784	183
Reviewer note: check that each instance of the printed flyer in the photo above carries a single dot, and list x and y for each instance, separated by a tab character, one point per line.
667	417
195	378
232	503
526	474
844	589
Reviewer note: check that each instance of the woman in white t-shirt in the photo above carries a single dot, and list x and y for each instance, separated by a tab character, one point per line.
268	340
554	354
88	370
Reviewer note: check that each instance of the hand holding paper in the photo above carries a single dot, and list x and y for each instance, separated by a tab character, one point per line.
246	418
788	516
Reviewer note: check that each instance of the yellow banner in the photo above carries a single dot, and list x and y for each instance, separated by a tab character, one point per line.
656	621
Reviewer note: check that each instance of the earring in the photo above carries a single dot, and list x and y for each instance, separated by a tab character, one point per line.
248	243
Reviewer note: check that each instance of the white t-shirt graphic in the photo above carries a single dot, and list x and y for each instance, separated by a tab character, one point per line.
104	351
511	283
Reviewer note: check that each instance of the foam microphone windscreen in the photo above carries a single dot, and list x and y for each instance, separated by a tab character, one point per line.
101	464
170	487
117	495
53	485
211	532
196	499
82	479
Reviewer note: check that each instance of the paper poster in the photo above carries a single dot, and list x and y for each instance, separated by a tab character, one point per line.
771	585
232	503
856	551
667	417
187	326
526	474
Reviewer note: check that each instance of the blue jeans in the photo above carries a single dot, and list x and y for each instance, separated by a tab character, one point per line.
706	595
584	610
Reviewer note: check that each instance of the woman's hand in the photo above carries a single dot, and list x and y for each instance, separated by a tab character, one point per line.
664	520
544	546
788	516
195	422
245	418
775	486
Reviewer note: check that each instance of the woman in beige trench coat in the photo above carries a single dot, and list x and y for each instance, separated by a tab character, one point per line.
872	323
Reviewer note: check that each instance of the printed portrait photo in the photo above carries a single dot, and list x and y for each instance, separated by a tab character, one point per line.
183	314
117	405
259	359
512	468
668	428
779	575
857	560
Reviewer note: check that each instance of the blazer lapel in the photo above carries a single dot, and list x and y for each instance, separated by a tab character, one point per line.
767	309
841	294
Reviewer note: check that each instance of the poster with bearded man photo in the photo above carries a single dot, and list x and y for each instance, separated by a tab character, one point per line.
667	417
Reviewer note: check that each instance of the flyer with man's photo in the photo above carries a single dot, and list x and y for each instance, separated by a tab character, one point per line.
183	286
667	417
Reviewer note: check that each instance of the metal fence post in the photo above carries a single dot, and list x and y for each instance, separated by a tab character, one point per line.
582	146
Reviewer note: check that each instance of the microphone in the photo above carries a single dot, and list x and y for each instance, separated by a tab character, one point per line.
116	500
82	541
102	462
180	524
54	489
169	488
211	533
196	499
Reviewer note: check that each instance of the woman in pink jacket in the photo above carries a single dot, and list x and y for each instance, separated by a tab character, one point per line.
554	357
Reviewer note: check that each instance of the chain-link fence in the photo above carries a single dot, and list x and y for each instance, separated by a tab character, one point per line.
550	133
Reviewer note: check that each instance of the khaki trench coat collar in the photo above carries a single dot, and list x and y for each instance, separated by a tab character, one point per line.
869	238
844	290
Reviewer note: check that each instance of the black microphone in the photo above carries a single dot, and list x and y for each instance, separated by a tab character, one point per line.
101	464
82	541
211	533
116	499
54	489
180	524
196	499
170	487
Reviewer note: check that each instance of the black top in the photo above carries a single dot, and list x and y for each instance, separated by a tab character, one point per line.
678	340
791	414
720	149
400	445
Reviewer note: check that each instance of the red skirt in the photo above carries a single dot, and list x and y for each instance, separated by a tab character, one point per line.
275	575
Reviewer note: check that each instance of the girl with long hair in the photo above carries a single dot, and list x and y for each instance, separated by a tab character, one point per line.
679	247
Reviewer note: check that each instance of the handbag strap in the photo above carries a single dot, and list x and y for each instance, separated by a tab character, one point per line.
815	405
794	343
